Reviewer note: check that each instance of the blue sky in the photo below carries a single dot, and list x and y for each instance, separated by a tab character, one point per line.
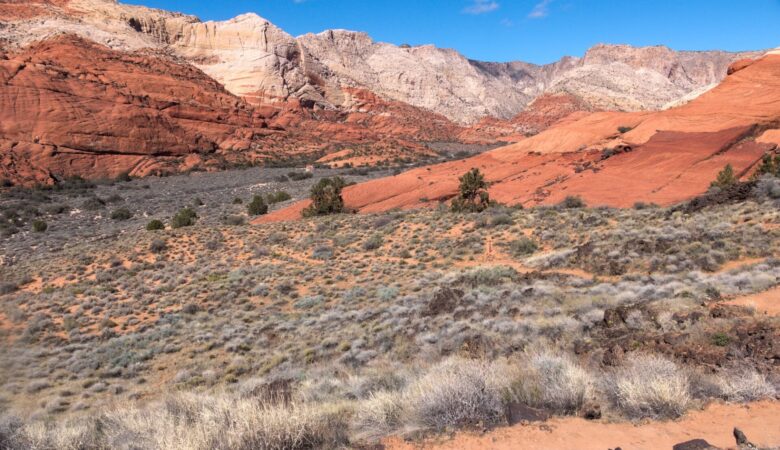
537	31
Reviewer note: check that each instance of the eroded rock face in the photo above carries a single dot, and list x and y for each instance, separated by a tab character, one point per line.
66	102
69	106
253	58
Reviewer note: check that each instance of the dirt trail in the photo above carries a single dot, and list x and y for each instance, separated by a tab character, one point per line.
767	302
760	421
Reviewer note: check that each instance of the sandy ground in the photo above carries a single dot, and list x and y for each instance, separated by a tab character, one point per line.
760	422
767	303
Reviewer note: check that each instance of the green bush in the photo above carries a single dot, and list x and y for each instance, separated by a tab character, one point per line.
184	218
155	225
769	166
571	202
121	214
326	198
725	178
278	197
720	339
39	226
472	193
257	206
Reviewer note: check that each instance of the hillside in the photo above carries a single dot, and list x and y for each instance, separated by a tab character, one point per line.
658	157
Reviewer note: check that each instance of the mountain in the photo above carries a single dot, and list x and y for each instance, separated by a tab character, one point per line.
610	158
254	59
97	88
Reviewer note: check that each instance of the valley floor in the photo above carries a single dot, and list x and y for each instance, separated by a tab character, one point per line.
340	331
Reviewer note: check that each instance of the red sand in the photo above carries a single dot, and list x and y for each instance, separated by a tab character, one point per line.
760	422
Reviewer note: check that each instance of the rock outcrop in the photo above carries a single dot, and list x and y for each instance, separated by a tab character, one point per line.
72	107
609	158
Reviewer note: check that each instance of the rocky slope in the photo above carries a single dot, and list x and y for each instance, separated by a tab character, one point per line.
71	107
610	158
253	58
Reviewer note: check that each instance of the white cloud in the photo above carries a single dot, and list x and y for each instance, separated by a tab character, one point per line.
541	10
481	7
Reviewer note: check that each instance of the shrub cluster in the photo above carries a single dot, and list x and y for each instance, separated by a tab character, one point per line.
326	198
184	218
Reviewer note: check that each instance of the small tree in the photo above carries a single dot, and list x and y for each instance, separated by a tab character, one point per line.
472	193
121	214
155	225
184	218
257	206
326	198
769	166
725	178
572	202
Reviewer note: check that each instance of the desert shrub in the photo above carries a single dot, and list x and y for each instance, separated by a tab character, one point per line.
745	386
185	217
767	187
378	416
233	220
650	386
523	246
93	204
373	243
257	206
198	423
39	226
8	288
720	339
770	165
322	252
278	197
624	129
155	225
642	205
487	276
238	201
299	176
121	214
472	193
158	246
572	202
326	198
725	178
552	381
455	393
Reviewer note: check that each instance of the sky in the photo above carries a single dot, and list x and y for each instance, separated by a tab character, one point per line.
538	31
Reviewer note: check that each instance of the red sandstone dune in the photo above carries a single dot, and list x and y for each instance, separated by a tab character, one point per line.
666	157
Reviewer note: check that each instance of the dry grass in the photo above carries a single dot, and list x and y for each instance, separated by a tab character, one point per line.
455	393
189	422
745	386
650	386
551	381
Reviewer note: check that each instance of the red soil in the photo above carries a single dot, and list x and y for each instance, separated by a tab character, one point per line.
714	424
